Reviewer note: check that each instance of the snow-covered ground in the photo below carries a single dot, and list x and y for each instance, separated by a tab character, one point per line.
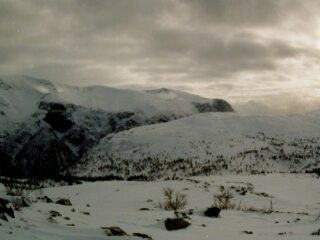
208	143
295	198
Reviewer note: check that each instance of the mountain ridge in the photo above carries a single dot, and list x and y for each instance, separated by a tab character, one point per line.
77	117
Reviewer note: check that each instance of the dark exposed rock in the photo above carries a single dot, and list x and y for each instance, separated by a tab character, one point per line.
316	233
144	209
51	106
64	201
3	201
46	199
115	231
5	210
85	213
10	212
3	217
44	155
217	105
142	235
55	214
247	232
6	162
57	118
77	136
176	224
221	105
212	212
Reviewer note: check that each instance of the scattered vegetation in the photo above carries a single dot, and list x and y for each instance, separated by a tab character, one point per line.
224	199
174	200
265	210
143	165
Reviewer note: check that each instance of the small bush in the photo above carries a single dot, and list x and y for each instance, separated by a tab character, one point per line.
174	201
14	191
20	202
223	200
266	210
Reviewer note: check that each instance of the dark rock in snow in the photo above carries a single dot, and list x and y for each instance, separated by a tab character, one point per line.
47	199
3	216
212	212
55	214
144	209
142	235
5	210
247	232
217	105
176	224
115	231
64	201
316	233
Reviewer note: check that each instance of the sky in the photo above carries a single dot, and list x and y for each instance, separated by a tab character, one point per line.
239	50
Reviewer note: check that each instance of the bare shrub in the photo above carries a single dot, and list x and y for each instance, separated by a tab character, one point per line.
12	190
20	202
224	199
174	201
265	210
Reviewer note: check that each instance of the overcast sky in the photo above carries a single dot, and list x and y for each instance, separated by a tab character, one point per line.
266	50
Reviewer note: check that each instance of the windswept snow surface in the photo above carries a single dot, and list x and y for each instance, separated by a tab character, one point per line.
295	200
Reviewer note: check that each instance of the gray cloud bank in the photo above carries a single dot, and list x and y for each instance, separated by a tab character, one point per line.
236	49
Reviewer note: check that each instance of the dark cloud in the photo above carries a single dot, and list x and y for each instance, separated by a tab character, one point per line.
211	47
250	13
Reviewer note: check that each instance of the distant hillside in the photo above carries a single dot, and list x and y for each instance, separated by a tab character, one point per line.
209	143
46	126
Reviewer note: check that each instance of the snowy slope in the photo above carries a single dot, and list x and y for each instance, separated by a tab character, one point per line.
106	204
209	143
21	95
39	117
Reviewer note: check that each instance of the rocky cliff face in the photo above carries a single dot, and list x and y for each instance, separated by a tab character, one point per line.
44	155
217	105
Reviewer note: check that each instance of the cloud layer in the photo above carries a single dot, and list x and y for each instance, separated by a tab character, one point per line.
235	49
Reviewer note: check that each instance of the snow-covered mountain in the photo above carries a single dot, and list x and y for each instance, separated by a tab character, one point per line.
46	126
208	143
21	96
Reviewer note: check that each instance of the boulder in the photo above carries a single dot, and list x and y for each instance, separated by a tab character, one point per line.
55	214
47	199
212	212
176	224
115	231
316	233
142	235
5	210
64	201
